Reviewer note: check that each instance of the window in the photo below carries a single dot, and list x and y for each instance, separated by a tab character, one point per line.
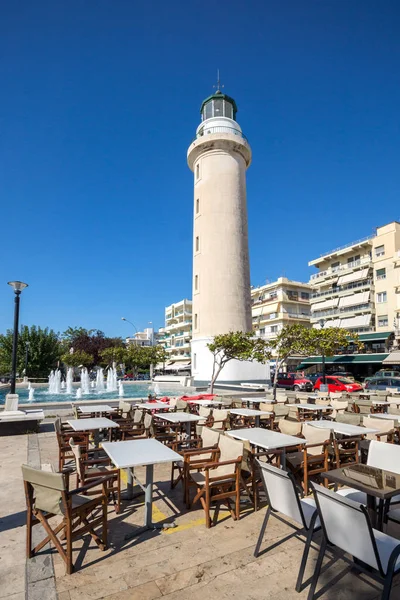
380	273
197	171
335	265
196	282
197	244
197	206
305	296
292	295
274	328
380	251
381	297
262	330
383	321
353	259
196	323
273	294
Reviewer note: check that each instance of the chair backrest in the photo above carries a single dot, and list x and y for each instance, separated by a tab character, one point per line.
11	402
173	402
348	417
268	406
204	411
377	398
209	437
124	406
363	407
281	492
394	409
181	405
291	394
382	393
290	427
379	424
57	425
323	394
315	435
230	449
76	449
325	401
137	416
281	410
220	414
340	405
384	456
148	423
346	525
336	395
48	488
281	398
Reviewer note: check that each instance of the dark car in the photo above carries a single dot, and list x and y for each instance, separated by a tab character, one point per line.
313	377
292	381
381	383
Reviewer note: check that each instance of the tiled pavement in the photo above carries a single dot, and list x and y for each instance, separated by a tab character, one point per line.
188	561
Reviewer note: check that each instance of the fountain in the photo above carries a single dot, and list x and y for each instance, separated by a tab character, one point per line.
29	385
79	393
121	392
55	382
85	381
157	390
111	385
92	385
100	380
70	379
63	385
31	394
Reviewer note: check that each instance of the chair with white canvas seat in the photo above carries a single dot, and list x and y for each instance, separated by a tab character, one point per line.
314	458
385	428
347	527
283	498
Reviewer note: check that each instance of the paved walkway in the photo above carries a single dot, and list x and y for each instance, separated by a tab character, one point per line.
188	561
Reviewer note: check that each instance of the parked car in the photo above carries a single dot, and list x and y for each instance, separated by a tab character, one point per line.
381	383
345	374
338	384
383	373
313	377
292	381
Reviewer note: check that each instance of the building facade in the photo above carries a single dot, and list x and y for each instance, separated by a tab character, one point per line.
177	335
142	338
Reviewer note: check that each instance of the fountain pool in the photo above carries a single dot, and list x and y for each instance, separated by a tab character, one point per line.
131	390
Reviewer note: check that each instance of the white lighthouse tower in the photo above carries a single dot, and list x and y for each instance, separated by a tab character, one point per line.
219	157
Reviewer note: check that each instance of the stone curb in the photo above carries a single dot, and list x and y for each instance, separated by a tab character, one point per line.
40	578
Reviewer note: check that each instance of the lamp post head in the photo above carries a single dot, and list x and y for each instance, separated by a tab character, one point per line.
17	286
322	323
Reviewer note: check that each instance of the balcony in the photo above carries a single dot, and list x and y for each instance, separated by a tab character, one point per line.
342	288
340	269
219	129
360	308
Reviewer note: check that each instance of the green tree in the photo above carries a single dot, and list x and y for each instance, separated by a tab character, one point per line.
113	355
235	345
77	359
297	340
44	351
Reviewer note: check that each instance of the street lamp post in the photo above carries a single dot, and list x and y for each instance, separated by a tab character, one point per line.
322	325
17	286
130	322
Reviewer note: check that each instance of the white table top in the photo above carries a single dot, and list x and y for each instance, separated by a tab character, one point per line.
178	417
254	399
343	428
205	402
135	453
312	406
154	405
382	402
249	412
388	416
89	424
96	408
264	438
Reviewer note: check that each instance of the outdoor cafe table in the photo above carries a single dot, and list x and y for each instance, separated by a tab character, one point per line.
140	453
96	408
154	405
266	439
179	417
254	400
249	412
377	484
388	416
92	424
205	402
318	408
343	428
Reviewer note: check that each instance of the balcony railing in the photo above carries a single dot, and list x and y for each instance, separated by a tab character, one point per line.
339	311
356	243
219	129
340	268
342	288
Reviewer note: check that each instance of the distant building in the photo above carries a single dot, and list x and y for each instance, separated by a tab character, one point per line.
177	335
142	338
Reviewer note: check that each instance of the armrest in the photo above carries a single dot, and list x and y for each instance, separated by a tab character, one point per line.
89	486
214	465
97	461
197	451
325	443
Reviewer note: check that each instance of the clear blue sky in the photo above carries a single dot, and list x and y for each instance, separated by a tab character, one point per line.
100	100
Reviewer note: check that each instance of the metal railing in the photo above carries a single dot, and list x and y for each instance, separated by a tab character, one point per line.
356	243
342	288
219	129
340	268
339	311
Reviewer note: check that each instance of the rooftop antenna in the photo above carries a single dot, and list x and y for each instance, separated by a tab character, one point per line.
218	86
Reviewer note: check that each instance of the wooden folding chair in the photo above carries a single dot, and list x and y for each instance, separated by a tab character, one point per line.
47	496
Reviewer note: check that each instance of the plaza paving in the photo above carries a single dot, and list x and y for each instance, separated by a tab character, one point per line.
187	561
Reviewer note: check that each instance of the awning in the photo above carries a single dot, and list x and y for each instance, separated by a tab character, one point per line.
354	299
178	366
360	321
354	276
331	303
266	310
374	337
343	359
393	358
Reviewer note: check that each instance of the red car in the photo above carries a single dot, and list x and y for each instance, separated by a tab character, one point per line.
292	381
338	384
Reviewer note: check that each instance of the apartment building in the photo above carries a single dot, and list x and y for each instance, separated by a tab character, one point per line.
142	338
357	286
178	335
282	302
